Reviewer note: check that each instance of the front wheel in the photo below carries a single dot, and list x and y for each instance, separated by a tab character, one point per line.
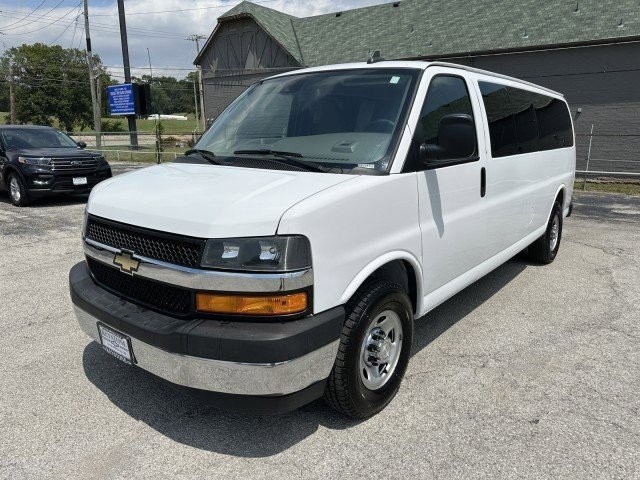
545	249
374	350
17	193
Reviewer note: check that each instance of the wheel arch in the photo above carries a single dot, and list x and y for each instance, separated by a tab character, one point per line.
8	170
393	266
561	195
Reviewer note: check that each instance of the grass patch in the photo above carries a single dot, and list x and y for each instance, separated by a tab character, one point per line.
626	188
143	154
144	126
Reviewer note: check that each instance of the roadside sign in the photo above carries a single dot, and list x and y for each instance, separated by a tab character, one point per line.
121	99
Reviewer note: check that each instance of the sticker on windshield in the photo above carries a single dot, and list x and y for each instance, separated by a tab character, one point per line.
394	79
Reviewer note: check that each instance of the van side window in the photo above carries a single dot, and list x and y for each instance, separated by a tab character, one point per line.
522	104
521	121
447	95
554	125
502	123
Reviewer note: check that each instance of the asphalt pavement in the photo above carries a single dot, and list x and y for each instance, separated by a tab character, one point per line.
531	372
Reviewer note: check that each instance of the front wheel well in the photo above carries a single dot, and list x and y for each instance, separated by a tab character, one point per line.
403	273
7	171
560	197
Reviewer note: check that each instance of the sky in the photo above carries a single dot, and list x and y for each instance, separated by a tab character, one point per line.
158	25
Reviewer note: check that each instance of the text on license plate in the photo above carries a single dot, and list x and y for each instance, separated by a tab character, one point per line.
79	180
115	343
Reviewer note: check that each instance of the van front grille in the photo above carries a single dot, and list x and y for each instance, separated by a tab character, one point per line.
159	296
170	248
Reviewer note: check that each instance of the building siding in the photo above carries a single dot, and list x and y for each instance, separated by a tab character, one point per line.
603	81
241	54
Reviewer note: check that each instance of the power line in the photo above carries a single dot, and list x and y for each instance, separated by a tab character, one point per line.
228	7
8	27
48	24
140	31
75	29
67	28
44	15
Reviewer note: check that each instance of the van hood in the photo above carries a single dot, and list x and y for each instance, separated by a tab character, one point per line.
206	201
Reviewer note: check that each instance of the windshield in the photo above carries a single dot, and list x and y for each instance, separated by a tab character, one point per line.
21	138
340	119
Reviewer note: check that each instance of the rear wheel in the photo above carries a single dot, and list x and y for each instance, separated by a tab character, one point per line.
374	350
545	249
17	193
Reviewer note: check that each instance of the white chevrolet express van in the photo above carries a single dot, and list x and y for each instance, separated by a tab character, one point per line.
287	255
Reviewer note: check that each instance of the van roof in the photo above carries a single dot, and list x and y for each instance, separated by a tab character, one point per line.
416	64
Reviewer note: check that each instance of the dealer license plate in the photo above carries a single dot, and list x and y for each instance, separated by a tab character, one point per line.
79	180
116	343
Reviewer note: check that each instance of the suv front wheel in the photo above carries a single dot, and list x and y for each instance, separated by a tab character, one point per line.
374	350
17	193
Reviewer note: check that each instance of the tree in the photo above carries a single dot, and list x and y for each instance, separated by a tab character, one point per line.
51	83
170	95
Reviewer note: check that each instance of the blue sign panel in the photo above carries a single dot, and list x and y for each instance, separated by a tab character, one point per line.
121	99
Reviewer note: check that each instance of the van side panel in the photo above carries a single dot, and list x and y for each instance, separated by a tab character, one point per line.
521	187
351	227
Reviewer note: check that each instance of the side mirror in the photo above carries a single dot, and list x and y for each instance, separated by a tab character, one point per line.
81	144
456	140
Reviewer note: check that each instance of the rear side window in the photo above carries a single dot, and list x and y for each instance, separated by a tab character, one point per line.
521	121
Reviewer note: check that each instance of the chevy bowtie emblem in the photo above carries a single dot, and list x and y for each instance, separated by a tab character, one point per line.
126	262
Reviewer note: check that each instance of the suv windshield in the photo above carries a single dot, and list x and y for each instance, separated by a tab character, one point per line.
18	138
338	120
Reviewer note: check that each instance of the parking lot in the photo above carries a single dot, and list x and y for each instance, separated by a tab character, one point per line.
532	372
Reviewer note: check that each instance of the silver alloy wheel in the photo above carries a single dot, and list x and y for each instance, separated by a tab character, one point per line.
14	189
380	350
554	233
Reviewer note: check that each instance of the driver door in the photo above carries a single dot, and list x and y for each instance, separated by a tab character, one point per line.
451	191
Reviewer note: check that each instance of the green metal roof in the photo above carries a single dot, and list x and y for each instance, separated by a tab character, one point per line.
432	28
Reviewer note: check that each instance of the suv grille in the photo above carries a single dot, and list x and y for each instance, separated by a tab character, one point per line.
75	164
168	299
176	249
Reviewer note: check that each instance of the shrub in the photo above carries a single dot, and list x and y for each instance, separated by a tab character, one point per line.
111	126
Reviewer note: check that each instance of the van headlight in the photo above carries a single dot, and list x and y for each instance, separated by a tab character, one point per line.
271	254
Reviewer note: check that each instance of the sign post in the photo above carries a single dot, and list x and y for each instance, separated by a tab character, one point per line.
131	119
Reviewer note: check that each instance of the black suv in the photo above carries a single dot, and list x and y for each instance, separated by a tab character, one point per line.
37	160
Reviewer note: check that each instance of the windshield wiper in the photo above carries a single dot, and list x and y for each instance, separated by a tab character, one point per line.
206	154
290	158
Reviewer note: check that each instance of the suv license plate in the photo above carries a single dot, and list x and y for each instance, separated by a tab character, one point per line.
116	343
79	180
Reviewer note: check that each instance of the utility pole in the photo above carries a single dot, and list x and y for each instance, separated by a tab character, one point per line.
196	38
12	96
150	69
131	119
195	99
97	118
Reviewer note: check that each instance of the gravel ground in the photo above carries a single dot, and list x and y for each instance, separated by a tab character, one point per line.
532	372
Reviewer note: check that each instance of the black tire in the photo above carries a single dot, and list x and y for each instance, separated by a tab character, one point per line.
21	197
543	249
345	390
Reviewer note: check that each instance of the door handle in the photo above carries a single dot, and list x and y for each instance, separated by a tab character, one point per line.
483	182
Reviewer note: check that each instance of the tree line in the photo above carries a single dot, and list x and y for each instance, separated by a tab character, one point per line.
51	85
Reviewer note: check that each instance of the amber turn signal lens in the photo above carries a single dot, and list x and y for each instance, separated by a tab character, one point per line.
254	305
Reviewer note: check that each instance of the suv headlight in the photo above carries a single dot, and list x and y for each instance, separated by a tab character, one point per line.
35	160
271	254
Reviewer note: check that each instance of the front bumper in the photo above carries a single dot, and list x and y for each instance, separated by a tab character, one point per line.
245	362
41	181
